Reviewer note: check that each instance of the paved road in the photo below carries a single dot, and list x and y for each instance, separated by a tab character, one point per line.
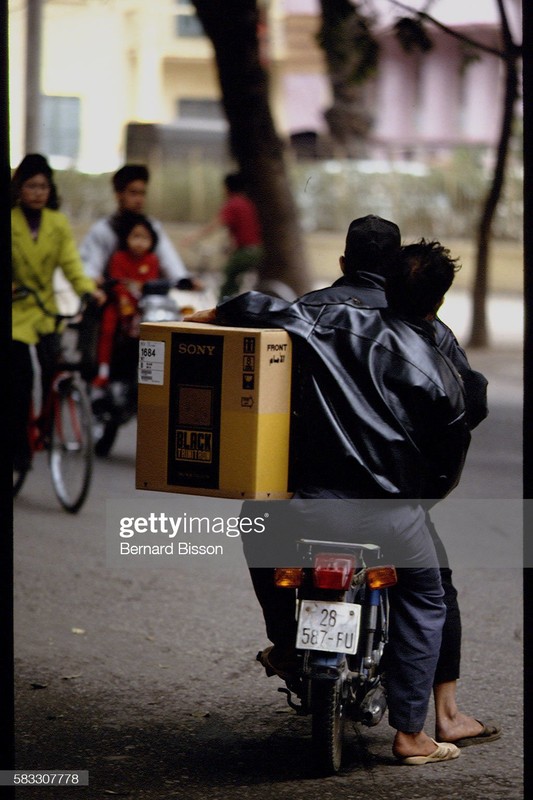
147	677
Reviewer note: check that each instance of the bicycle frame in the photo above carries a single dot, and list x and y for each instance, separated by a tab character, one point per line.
63	428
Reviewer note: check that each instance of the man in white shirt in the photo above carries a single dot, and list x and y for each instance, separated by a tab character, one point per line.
130	184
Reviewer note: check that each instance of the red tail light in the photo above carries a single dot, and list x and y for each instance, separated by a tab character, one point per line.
333	571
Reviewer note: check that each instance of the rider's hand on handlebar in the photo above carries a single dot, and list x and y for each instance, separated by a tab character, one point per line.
99	296
190	284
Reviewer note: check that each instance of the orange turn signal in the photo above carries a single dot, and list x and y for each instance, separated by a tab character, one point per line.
288	577
381	577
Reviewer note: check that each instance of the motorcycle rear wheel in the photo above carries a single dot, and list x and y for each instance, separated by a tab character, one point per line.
327	731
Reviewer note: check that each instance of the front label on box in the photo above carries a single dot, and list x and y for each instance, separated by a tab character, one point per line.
194	410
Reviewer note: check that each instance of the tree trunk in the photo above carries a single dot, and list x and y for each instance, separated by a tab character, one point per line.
351	55
479	336
254	141
34	28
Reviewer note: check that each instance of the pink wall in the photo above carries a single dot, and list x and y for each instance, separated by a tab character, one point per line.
306	96
301	6
429	100
432	100
396	95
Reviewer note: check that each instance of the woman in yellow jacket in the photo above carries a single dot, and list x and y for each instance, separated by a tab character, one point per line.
41	241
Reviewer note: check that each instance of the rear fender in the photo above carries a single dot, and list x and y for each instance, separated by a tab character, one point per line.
324	666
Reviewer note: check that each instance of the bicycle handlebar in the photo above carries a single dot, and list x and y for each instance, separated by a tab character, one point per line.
21	292
152	286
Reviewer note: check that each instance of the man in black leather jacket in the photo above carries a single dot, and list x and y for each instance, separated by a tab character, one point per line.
383	417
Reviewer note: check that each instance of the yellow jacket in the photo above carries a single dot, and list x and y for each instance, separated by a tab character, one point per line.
34	263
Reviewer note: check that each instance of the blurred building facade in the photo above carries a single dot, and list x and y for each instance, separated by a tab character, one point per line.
108	63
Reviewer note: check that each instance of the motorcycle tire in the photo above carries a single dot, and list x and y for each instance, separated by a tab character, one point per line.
104	444
327	730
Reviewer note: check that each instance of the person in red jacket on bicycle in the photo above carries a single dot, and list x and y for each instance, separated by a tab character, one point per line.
238	214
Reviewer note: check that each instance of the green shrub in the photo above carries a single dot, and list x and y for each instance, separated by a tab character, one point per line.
441	201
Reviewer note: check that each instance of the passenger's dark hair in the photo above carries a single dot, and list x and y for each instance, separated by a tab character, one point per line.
124	223
129	173
419	278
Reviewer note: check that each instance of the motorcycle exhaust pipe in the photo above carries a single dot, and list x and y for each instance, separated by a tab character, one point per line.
373	706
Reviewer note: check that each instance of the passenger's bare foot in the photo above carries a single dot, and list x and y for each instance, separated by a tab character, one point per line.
451	729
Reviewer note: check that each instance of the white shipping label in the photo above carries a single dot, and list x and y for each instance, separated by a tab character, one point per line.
151	362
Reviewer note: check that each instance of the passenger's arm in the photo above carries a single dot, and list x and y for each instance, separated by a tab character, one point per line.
475	384
251	309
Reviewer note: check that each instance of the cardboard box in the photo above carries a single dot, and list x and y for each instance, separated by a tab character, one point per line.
213	410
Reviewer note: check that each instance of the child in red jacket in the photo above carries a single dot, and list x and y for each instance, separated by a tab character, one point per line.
131	266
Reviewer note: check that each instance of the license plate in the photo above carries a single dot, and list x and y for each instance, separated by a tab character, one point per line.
331	627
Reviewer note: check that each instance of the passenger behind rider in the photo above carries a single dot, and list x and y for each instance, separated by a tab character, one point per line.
41	242
362	284
131	266
364	278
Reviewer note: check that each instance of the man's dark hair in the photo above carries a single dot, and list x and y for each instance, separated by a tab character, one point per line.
129	173
234	182
371	244
125	222
419	278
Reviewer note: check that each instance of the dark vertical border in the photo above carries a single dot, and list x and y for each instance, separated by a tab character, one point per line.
528	387
7	743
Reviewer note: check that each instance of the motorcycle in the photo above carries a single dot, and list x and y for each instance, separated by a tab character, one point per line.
342	612
116	404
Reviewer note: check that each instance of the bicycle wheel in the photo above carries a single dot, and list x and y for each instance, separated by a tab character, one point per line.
327	730
71	446
19	476
22	466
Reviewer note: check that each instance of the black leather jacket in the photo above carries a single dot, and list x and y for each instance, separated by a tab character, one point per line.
369	288
380	410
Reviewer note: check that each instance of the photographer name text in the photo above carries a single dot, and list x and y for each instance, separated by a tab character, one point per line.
181	549
160	534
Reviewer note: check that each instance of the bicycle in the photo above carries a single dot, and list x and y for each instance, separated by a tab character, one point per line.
64	425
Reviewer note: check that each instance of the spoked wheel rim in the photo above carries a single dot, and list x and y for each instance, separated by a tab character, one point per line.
71	446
